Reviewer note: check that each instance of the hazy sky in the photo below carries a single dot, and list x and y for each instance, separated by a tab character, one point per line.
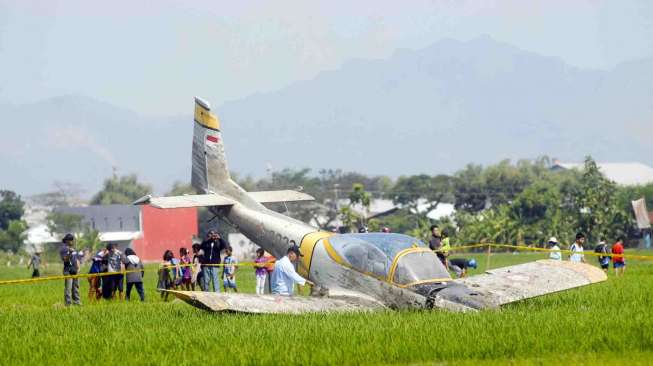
154	56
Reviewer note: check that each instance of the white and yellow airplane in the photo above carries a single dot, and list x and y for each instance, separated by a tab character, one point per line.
352	272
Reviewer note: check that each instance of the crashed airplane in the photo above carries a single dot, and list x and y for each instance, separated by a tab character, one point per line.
352	272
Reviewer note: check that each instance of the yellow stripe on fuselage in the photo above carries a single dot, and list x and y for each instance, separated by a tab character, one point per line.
306	248
204	117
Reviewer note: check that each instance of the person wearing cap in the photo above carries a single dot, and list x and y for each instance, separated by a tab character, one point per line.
284	276
70	258
460	265
604	258
555	249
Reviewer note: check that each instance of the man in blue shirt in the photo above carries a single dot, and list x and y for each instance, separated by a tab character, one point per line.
284	276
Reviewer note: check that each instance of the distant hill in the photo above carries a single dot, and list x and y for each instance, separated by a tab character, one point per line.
431	110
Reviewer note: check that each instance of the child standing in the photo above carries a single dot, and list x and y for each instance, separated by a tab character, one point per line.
175	271
95	283
196	277
260	263
186	270
229	271
165	274
133	263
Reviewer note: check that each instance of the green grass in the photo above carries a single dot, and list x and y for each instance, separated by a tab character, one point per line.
606	323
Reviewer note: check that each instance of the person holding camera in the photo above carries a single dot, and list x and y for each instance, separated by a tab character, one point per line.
70	258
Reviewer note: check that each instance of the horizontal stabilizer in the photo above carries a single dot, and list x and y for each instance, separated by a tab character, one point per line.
194	200
275	304
504	285
280	196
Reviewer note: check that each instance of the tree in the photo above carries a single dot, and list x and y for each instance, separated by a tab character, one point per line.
121	190
60	223
11	208
362	198
469	189
13	237
599	213
89	238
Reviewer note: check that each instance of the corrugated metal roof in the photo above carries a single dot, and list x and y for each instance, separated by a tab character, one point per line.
107	218
625	174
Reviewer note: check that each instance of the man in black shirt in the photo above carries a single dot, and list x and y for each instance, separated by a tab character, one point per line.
211	248
460	265
435	244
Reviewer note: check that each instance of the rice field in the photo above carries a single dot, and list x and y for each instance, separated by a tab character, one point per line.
606	323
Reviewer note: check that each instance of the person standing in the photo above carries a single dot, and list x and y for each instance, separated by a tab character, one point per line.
196	277
35	263
112	282
435	244
618	261
136	271
604	258
445	248
229	271
577	255
165	277
555	253
284	276
260	263
95	282
212	247
186	269
70	258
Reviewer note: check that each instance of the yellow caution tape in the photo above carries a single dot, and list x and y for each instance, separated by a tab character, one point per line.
103	274
455	248
566	251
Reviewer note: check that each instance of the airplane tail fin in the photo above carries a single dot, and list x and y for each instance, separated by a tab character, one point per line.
210	175
209	171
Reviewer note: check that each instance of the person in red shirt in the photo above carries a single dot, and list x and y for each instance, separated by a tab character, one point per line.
618	261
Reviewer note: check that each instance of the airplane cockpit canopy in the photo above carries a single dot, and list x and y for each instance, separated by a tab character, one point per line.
397	258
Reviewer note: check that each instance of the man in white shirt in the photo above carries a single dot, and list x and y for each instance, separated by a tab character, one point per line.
555	249
284	276
577	255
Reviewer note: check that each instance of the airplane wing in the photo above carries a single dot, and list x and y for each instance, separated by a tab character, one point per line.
191	200
275	304
280	196
213	199
509	284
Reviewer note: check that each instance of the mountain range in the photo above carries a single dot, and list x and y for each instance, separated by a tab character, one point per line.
419	111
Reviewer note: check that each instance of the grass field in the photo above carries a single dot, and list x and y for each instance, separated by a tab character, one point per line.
606	323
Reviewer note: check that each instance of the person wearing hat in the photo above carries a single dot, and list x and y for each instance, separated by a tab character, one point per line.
70	258
555	249
284	276
460	265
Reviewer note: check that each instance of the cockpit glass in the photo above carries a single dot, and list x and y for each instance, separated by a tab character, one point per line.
374	252
419	266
